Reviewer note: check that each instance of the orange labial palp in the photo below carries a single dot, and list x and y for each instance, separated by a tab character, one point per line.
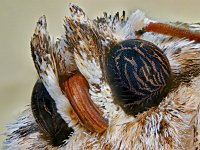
76	89
172	31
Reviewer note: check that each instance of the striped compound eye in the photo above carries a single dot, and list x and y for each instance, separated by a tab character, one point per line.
52	126
139	75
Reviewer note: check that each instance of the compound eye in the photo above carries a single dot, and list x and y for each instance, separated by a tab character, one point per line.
51	125
139	75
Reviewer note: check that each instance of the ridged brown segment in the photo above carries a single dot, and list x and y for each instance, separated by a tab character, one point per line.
77	90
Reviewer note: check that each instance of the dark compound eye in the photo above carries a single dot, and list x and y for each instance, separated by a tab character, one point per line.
53	128
139	75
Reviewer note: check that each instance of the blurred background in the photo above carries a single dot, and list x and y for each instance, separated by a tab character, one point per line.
17	22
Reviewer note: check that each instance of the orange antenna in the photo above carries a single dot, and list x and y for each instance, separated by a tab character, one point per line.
173	31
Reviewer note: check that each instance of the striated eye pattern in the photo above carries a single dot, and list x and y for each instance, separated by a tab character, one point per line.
139	75
50	123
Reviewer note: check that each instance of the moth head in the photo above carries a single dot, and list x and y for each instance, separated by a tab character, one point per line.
104	79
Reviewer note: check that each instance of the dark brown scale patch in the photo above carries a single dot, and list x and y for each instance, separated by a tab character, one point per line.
139	75
53	128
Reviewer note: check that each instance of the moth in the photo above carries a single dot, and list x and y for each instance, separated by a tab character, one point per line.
114	82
